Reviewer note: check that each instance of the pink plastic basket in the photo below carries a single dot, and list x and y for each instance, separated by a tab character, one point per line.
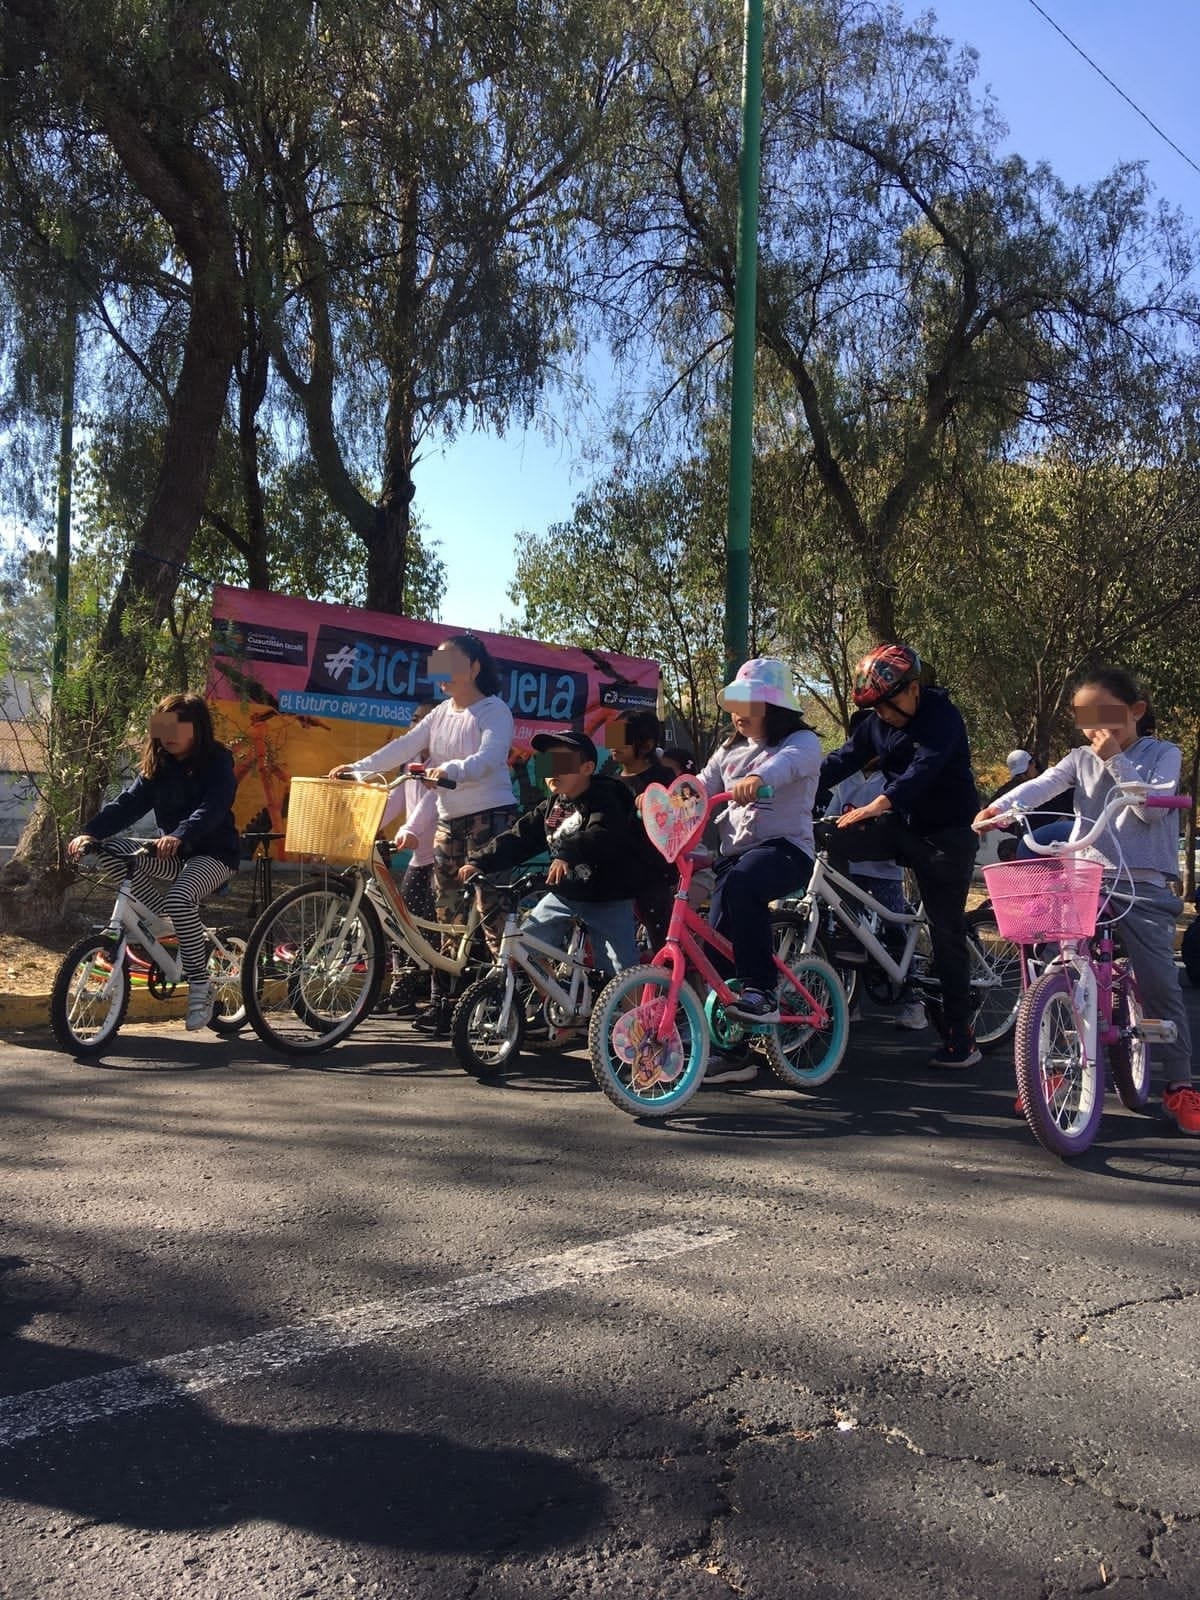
1055	898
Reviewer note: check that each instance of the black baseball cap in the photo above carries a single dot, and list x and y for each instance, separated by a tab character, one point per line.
568	739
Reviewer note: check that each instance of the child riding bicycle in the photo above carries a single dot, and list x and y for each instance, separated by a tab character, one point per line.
766	842
186	779
1117	720
599	854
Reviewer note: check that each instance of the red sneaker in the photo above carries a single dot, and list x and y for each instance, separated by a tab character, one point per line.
1182	1105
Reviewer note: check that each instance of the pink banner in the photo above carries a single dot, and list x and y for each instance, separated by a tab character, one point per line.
299	686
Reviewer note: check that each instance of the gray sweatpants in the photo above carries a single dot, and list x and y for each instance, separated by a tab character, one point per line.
1147	932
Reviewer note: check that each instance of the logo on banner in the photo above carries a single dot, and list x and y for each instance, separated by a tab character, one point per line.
249	641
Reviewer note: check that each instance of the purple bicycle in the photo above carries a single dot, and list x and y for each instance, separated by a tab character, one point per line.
1083	1003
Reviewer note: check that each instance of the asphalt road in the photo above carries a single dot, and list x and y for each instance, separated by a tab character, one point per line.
370	1328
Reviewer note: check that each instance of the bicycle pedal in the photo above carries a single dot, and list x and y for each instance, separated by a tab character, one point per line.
1153	1030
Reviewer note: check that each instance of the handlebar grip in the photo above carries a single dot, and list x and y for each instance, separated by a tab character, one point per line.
1168	802
767	792
417	769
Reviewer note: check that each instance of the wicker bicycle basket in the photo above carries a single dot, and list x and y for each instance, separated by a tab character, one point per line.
334	820
1057	897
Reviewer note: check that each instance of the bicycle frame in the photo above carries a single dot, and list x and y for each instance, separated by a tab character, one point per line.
688	932
516	948
826	879
133	921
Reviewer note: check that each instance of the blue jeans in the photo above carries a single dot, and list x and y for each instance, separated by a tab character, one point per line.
610	923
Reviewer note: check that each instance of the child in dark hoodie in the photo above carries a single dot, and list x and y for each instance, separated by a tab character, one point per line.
598	852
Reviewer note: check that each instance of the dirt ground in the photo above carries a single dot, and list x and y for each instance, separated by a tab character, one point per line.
25	967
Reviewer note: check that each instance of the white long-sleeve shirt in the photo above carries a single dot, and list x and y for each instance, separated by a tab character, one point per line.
416	806
470	745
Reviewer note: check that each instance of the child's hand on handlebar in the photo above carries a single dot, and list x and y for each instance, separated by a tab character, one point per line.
77	845
168	846
342	771
558	871
986	820
744	791
465	874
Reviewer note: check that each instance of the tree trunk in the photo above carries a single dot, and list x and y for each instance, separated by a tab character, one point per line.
387	556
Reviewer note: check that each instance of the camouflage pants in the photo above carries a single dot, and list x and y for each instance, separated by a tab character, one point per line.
457	838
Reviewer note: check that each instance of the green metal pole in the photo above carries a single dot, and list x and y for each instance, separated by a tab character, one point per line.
66	447
741	411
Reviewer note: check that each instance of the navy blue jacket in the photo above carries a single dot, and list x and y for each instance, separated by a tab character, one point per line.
926	764
197	807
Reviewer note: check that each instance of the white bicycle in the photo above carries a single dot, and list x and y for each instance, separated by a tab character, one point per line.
93	985
532	981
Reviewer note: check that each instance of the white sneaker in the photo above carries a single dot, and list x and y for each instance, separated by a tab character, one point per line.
200	1005
911	1016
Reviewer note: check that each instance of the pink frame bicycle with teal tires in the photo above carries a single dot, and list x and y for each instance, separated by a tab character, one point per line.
651	1031
1085	1007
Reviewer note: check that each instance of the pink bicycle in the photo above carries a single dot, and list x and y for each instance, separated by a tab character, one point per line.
1084	1005
650	1030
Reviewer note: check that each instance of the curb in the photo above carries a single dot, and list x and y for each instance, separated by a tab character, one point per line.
33	1010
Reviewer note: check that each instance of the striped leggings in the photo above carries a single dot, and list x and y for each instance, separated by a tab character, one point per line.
190	881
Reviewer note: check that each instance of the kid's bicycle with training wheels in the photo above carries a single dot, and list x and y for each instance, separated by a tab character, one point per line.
651	1028
316	958
93	985
1085	1006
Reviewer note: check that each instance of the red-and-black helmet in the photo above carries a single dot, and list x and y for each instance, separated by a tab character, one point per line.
882	673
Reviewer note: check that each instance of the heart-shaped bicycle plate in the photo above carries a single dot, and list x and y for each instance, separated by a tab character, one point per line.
672	817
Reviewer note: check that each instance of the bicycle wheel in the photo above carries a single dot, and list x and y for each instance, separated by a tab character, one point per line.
311	972
805	1057
995	979
225	964
485	1040
1129	1057
89	1001
641	1074
1061	1090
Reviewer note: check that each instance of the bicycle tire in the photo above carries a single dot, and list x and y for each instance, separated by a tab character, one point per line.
1129	1060
1062	1094
994	1013
303	996
848	974
229	1004
805	1058
470	1031
616	1075
75	998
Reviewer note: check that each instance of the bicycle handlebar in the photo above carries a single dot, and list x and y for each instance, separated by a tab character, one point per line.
415	769
1124	795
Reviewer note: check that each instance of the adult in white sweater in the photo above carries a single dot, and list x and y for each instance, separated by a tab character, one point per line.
467	738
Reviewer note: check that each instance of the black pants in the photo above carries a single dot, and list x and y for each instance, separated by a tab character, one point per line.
942	860
746	885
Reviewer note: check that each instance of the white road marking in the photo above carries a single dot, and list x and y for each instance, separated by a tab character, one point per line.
171	1378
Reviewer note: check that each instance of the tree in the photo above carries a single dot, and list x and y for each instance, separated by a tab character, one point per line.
637	570
423	198
919	291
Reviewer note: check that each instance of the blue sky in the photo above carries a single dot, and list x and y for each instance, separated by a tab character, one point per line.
478	494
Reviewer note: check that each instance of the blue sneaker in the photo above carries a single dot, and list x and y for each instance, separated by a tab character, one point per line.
754	1005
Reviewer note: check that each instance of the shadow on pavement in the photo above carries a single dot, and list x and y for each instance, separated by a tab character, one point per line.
416	1490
